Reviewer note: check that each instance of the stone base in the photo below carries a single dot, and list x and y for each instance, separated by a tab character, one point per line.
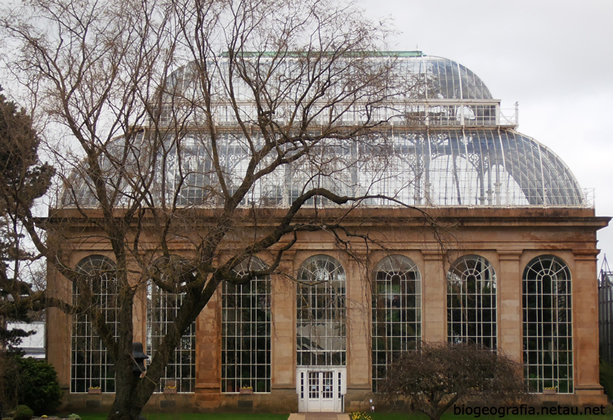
285	400
358	400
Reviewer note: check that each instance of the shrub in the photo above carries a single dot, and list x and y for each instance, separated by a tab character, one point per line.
8	369
23	412
36	384
606	378
74	416
439	375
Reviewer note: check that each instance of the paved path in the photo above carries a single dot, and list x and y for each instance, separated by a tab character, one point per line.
318	416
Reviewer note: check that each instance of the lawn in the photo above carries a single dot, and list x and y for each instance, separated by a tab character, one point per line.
450	416
374	416
198	416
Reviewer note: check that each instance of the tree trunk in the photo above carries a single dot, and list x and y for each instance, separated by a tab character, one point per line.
122	411
125	406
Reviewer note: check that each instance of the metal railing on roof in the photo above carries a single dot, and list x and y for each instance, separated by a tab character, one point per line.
409	113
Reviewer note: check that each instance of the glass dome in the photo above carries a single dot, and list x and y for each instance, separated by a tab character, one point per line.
458	153
443	78
476	167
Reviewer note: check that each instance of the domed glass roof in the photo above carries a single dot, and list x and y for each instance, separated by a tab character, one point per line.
455	152
443	78
479	167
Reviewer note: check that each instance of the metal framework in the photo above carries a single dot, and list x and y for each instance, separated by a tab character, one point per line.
446	143
471	302
91	365
396	312
605	311
547	325
246	332
321	329
162	308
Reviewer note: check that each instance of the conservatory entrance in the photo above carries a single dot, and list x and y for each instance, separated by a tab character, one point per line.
321	335
321	389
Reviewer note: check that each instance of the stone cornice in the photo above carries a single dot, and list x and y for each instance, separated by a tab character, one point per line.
511	255
455	217
586	254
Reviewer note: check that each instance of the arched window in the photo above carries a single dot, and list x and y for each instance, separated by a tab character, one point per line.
548	340
396	312
91	365
471	302
162	309
245	331
321	329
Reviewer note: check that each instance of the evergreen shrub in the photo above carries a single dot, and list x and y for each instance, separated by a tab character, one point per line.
23	412
606	378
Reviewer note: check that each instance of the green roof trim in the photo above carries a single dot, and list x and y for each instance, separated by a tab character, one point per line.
400	53
295	54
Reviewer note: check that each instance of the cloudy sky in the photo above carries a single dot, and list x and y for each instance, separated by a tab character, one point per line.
554	57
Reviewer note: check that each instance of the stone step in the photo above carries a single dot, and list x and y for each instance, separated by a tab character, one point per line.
318	416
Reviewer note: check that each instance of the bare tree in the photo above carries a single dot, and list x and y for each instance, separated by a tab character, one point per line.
177	121
437	376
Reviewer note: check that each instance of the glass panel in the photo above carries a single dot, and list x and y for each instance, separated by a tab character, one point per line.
301	384
471	302
424	158
162	309
396	312
328	385
91	365
321	320
246	331
547	325
314	385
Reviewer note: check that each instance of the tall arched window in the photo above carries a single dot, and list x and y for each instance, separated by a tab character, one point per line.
162	309
245	331
471	302
396	312
91	365
321	329
548	340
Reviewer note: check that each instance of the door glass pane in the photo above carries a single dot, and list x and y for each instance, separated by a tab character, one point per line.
301	384
328	385
314	385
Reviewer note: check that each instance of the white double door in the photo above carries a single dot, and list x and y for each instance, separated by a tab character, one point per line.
321	389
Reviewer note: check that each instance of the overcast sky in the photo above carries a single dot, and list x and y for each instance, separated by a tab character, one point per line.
553	57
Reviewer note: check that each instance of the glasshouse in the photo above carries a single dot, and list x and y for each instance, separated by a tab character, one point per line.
462	230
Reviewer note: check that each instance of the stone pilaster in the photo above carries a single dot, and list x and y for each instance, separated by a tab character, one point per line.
358	327
139	314
434	298
585	322
58	339
509	291
283	306
208	352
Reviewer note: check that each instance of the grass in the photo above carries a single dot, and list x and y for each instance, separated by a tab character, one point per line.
196	416
450	416
528	417
374	416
